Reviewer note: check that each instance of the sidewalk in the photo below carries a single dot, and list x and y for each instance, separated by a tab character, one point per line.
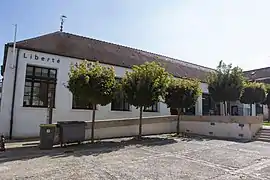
10	144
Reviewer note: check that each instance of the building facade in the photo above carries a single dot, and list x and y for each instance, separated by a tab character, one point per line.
39	70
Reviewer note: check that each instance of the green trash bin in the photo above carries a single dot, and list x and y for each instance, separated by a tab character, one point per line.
47	133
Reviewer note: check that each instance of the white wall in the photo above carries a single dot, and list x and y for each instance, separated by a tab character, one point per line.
28	119
223	127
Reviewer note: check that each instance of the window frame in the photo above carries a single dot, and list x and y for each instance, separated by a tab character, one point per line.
34	78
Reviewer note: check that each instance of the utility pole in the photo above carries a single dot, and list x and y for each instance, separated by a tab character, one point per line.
15	60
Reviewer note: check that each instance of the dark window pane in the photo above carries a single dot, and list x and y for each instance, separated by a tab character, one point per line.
51	87
27	91
153	108
35	100
190	111
44	72
26	100
53	73
37	71
28	84
81	104
119	103
29	70
36	84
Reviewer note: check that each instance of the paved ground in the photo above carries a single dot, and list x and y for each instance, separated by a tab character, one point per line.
155	158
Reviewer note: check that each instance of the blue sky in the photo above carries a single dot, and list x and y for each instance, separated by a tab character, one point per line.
197	31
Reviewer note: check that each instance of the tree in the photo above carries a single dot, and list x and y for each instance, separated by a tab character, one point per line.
253	93
92	83
182	93
225	84
267	99
145	86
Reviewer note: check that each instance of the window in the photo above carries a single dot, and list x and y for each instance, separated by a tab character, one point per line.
119	102
39	86
153	108
259	109
79	104
208	105
190	111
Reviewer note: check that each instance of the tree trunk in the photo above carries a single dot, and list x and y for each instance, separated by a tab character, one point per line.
225	108
178	121
50	108
93	124
140	123
250	113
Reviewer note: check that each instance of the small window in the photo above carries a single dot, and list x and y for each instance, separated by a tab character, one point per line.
79	104
153	108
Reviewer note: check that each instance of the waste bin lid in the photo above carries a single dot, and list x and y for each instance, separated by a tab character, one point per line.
70	122
47	125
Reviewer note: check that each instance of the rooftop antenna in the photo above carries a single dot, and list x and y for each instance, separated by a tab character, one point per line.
62	18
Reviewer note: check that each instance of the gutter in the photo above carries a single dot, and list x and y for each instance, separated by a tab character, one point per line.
13	96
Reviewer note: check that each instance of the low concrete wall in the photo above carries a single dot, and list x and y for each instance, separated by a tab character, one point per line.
231	127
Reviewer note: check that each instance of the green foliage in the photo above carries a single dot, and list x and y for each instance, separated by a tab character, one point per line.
267	99
253	92
182	93
146	84
226	83
92	83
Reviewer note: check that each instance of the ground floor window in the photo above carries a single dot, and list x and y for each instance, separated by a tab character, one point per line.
153	108
39	88
259	109
208	105
81	104
119	102
189	111
186	111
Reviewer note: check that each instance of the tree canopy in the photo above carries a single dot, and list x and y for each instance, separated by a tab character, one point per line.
91	82
182	93
146	84
226	83
253	92
267	98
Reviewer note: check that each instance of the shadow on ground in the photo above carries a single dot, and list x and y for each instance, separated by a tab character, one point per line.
31	151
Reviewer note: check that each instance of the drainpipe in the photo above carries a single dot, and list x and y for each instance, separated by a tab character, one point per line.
13	95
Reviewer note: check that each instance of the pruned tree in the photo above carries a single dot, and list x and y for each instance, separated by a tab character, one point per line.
182	93
267	99
225	84
145	86
92	83
253	93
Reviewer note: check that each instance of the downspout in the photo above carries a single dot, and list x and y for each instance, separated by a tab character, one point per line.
13	96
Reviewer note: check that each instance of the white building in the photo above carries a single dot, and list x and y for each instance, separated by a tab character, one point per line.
41	67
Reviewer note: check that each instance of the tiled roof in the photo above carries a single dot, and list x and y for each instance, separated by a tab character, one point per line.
70	45
257	74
